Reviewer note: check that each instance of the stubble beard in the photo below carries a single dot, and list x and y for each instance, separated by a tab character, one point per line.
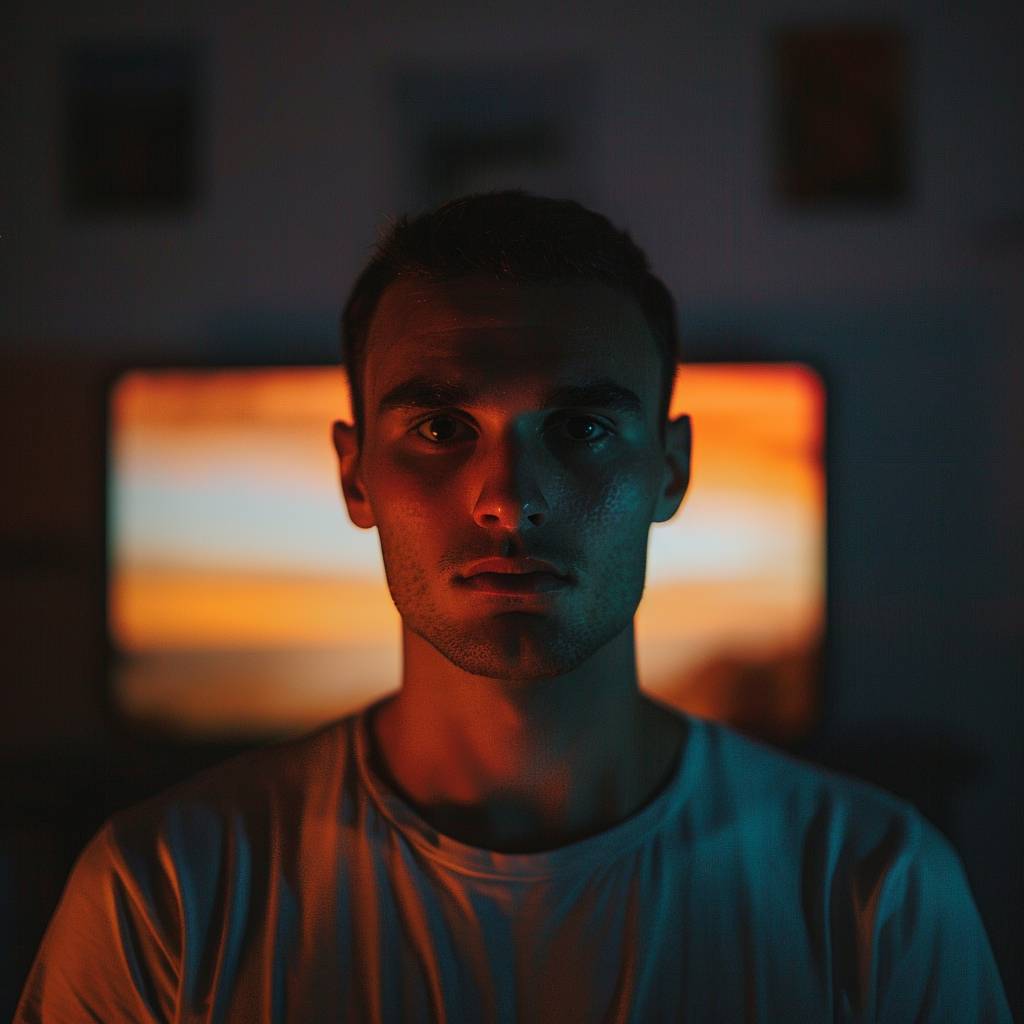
514	646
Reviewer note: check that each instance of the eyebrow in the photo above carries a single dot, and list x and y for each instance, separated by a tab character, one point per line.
430	393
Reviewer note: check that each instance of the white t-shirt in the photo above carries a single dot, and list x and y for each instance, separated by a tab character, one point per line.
290	884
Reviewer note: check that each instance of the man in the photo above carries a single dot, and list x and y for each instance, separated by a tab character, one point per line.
519	834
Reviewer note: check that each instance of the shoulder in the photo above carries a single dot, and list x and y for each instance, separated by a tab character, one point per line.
865	860
248	801
822	815
155	881
149	900
883	895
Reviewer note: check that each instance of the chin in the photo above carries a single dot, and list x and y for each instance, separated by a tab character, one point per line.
516	660
525	675
516	647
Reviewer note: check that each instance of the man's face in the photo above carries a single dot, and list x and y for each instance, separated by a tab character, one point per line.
504	470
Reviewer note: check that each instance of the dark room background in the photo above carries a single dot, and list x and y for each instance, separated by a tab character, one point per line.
200	182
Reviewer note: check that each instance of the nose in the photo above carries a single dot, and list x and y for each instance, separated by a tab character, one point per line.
510	496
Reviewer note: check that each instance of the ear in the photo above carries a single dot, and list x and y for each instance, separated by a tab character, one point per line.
346	445
675	477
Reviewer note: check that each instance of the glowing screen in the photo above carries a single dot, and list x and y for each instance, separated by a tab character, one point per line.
243	602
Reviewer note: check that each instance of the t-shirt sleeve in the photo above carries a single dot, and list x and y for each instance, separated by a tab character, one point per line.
106	955
934	958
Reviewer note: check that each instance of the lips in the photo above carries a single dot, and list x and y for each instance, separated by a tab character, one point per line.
521	583
522	566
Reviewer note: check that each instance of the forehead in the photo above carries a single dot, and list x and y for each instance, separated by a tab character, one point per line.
500	331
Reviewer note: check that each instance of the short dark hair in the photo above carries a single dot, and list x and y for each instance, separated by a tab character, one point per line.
515	236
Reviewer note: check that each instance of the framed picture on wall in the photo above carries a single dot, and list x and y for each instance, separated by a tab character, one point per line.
841	118
474	128
131	141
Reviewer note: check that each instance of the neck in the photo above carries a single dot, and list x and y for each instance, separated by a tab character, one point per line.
523	765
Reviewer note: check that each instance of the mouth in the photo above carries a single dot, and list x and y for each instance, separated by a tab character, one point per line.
514	584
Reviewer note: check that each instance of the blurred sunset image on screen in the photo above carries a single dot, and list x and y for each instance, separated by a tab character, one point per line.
242	601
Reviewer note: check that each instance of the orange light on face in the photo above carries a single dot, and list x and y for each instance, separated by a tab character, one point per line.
243	600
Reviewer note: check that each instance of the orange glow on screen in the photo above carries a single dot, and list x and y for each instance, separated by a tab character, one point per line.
243	601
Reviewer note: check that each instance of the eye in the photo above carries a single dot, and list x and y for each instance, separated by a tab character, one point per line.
587	430
440	434
442	430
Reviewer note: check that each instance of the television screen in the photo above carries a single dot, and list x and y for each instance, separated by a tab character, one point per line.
243	603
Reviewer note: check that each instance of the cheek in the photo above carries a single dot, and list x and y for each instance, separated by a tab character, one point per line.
403	491
622	500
